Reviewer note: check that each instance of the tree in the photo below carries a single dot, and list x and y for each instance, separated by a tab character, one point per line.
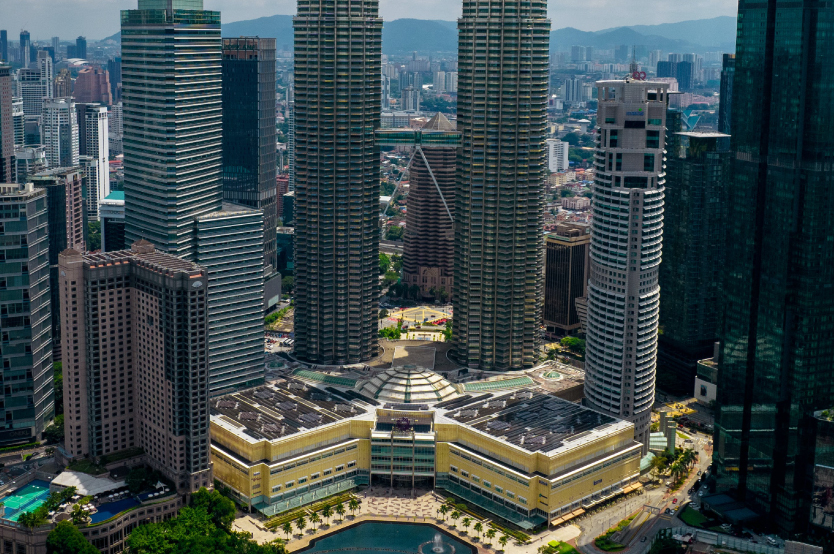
573	344
478	527
572	139
353	505
384	263
314	519
67	539
383	313
220	509
395	232
455	515
443	295
466	522
397	262
658	465
287	284
287	528
490	534
444	509
79	515
340	509
503	541
58	387
94	235
390	278
301	523
326	513
414	292
55	432
566	193
392	333
677	470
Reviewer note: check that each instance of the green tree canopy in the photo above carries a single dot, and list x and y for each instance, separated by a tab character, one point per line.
384	263
220	509
67	539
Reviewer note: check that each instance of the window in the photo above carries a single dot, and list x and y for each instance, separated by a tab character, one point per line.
352	463
652	139
498	489
510	494
302	480
328	471
613	138
476	478
276	488
655	122
454	469
289	484
610	120
635	125
522	500
648	162
464	473
487	484
315	475
619	162
340	467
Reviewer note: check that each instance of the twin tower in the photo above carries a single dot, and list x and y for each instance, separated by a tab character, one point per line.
498	203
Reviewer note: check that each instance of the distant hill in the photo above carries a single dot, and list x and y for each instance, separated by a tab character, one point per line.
426	36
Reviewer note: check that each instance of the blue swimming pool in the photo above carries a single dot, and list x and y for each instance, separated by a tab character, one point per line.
383	537
106	511
25	499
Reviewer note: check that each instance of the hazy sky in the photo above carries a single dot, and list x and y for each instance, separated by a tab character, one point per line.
100	18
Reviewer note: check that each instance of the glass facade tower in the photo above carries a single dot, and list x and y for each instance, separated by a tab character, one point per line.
171	73
338	69
502	98
777	353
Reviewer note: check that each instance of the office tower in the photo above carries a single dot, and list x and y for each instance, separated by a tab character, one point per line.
566	269
337	103
557	155
166	191
410	99
62	87
622	54
65	212
386	92
249	132
47	72
439	81
192	185
71	49
4	46
500	177
18	122
55	44
288	209
93	85
144	384
7	127
29	160
25	43
28	397
725	98
112	217
654	58
94	154
578	54
675	58
81	48
573	90
31	90
776	355
291	135
623	292
282	183
452	81
114	72
429	245
230	247
115	129
666	69
692	271
60	132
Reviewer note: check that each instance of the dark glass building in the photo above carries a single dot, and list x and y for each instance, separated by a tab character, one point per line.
338	73
566	267
249	131
725	106
28	400
777	349
81	47
499	211
693	256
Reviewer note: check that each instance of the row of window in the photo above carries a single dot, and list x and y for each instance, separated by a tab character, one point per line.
316	475
316	458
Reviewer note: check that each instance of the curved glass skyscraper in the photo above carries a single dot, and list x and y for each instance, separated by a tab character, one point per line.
626	240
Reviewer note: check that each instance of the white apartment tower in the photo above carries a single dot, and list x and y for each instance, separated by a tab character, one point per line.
94	150
626	241
557	155
60	132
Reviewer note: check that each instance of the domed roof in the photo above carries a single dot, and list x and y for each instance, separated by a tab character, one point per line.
409	384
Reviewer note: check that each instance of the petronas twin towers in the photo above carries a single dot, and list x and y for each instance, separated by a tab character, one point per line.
502	98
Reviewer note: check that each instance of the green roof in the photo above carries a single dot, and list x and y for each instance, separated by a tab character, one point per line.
324	378
116	195
500	384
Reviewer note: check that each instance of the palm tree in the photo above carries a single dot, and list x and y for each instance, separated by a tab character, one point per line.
444	509
466	522
326	512
676	469
455	515
490	534
301	523
688	457
353	505
450	501
314	519
79	515
287	529
479	527
340	509
503	541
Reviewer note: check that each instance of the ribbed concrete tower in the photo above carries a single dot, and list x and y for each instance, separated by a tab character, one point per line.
338	69
626	241
502	96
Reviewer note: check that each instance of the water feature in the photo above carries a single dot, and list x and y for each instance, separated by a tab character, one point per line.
389	537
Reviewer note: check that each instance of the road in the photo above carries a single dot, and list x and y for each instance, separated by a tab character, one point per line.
596	524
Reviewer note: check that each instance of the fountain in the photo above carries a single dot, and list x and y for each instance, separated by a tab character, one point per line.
437	543
438	546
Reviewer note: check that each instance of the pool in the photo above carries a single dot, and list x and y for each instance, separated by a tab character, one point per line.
383	537
106	511
25	499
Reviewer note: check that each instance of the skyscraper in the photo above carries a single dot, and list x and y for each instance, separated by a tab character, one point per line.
25	43
566	268
30	88
725	98
45	65
337	107
145	384
18	122
81	47
28	403
777	353
94	154
626	240
249	131
60	132
7	129
93	85
165	189
694	233
557	155
500	177
4	46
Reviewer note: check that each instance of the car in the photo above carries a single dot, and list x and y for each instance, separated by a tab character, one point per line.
691	490
701	493
644	539
674	501
669	511
699	472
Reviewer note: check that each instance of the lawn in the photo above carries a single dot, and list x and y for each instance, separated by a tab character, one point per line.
560	548
693	518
